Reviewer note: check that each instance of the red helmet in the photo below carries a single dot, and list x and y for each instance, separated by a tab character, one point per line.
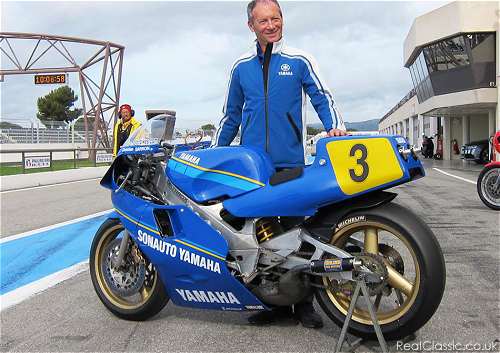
126	107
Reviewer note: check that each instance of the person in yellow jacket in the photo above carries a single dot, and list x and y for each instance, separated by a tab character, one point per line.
125	125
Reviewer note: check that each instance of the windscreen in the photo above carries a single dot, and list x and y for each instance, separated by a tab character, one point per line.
149	133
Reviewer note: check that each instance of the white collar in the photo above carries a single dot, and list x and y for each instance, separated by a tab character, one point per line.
277	46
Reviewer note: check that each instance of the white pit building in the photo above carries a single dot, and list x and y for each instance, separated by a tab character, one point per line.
453	55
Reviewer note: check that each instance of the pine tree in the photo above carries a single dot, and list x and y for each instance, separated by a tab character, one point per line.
56	106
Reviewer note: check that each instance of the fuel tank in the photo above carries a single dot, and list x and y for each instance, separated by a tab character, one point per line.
219	173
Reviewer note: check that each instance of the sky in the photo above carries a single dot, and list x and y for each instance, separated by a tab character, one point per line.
178	54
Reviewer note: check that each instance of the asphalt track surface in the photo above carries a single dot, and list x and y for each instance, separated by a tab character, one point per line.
69	316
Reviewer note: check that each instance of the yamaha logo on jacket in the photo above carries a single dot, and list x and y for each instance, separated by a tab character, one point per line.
266	99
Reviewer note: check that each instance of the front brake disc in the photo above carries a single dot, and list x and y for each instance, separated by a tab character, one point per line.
129	278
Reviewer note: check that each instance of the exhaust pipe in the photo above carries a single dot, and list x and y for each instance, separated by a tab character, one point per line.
334	265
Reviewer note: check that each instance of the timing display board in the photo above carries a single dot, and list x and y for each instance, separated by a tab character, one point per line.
50	79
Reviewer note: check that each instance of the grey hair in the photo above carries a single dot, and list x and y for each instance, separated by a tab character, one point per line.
251	5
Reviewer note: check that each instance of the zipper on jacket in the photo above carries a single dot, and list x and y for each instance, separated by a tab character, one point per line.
265	74
295	127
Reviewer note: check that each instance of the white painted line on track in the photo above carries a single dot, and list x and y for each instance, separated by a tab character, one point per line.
18	295
455	176
35	231
48	186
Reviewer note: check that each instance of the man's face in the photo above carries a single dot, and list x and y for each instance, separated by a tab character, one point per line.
266	22
125	115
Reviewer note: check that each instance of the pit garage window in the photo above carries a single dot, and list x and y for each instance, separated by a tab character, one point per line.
447	54
420	78
460	63
482	47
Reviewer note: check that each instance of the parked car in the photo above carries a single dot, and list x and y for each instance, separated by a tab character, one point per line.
476	151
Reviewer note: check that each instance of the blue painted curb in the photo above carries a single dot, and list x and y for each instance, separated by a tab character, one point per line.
28	259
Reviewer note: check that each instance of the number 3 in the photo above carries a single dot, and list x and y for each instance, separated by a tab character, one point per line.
361	161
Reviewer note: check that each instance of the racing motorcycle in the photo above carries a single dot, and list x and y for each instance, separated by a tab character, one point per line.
219	228
488	182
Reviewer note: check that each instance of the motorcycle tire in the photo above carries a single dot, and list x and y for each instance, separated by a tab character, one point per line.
414	243
484	157
148	300
485	185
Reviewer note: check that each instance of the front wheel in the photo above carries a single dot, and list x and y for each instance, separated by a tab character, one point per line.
134	291
488	186
400	245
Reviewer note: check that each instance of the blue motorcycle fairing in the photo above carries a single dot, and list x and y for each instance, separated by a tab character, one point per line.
193	146
317	187
107	180
220	172
190	261
139	149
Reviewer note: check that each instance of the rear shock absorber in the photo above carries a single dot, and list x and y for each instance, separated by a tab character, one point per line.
266	228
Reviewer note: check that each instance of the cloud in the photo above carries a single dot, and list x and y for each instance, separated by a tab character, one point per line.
178	54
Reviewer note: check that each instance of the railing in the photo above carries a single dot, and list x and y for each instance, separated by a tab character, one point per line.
34	135
405	99
78	156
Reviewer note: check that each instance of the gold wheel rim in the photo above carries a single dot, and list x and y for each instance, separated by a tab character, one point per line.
116	300
342	302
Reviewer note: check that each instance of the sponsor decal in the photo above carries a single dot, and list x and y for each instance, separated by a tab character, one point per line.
103	158
285	67
190	158
178	252
137	149
157	244
332	264
254	307
198	260
142	149
201	296
285	70
350	221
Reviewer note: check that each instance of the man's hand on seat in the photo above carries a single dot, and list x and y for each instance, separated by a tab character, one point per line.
336	132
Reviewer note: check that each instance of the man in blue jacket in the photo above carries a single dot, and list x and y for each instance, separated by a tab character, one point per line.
266	93
266	99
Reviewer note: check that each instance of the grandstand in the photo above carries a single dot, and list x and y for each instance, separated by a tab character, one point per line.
35	135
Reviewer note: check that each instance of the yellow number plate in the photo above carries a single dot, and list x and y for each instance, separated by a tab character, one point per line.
362	164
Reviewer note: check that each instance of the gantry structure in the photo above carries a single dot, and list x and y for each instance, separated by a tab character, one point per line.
97	63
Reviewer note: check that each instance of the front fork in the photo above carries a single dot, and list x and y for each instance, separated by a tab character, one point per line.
118	260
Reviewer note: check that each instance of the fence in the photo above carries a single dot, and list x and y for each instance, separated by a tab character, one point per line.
54	159
36	135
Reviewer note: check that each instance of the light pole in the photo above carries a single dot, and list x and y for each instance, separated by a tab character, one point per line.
73	130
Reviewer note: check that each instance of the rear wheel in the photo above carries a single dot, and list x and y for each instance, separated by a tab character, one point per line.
484	156
390	236
488	186
134	291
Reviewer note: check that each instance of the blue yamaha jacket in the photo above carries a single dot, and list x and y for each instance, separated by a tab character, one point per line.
266	99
